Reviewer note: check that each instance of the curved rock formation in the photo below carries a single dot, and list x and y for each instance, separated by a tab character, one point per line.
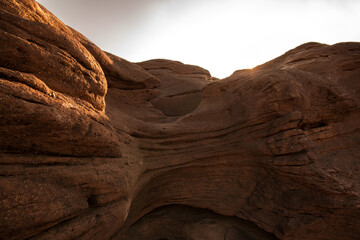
180	85
267	153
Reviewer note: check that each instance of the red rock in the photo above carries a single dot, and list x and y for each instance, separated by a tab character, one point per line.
119	72
180	85
30	34
266	153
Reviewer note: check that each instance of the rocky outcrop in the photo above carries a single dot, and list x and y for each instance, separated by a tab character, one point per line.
34	41
267	153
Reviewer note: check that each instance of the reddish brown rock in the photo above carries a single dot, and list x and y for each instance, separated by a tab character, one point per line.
266	153
30	34
55	86
119	73
182	222
180	85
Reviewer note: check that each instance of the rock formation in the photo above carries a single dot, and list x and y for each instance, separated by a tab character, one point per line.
95	147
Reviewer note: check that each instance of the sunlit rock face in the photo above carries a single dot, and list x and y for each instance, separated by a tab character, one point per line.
96	147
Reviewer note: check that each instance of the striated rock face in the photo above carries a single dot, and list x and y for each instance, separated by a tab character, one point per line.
267	153
180	88
30	34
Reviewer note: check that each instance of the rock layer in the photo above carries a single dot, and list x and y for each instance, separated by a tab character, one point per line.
267	153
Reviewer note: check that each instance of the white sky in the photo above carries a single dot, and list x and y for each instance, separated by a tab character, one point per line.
219	35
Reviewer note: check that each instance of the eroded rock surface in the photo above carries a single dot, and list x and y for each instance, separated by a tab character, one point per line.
180	85
267	153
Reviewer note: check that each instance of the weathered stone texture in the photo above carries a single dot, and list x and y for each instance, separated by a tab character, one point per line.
266	153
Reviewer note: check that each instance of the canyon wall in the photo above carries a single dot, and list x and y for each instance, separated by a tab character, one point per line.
95	147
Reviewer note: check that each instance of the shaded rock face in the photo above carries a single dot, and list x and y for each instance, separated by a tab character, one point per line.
182	222
267	153
180	88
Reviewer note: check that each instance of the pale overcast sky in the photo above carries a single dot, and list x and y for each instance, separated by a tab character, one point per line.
219	35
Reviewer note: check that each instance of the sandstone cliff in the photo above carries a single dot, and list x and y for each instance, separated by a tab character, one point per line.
95	147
